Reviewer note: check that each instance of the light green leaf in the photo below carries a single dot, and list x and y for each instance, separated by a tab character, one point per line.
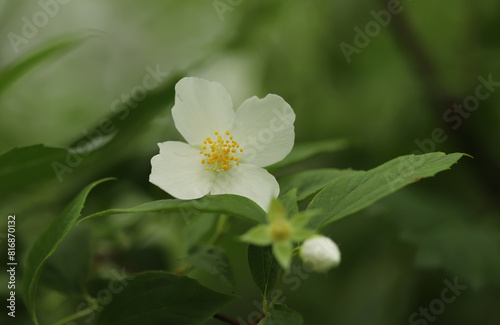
289	201
276	211
47	243
67	269
55	49
213	260
311	181
356	191
28	165
282	315
229	204
157	297
300	220
263	267
302	234
258	235
303	151
282	251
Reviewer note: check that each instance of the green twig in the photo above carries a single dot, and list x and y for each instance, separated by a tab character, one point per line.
77	315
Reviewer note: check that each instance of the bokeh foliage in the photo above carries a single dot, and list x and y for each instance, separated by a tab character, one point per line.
387	101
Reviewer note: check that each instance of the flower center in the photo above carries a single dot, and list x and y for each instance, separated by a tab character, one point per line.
280	230
221	152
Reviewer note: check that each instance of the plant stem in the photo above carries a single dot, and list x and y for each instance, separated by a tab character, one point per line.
77	315
219	230
226	319
258	319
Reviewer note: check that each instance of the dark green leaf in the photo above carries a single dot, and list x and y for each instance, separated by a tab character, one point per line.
28	165
198	227
66	270
303	151
58	47
263	267
356	191
469	252
161	298
47	243
311	181
225	204
446	237
213	260
282	315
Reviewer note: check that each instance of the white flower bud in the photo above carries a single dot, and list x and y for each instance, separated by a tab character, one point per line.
320	253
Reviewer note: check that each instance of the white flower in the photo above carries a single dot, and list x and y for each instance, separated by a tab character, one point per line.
320	253
225	149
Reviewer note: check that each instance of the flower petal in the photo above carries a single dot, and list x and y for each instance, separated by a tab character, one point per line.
264	129
178	171
320	253
201	108
249	181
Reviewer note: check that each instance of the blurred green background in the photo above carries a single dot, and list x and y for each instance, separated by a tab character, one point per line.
386	102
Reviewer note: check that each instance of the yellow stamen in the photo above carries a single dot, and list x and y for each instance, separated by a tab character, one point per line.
220	153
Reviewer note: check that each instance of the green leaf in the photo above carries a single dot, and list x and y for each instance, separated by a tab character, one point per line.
465	250
57	47
446	237
213	260
46	244
356	191
282	315
198	227
263	267
289	201
311	181
67	269
28	165
303	151
225	204
157	297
